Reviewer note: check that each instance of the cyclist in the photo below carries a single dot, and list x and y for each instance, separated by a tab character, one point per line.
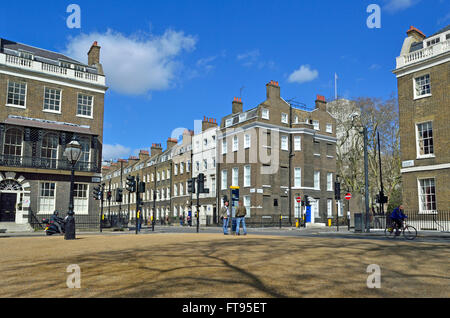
397	217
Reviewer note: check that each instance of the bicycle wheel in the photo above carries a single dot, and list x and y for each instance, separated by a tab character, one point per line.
389	233
409	232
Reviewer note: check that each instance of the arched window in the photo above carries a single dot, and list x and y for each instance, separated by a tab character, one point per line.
49	150
13	142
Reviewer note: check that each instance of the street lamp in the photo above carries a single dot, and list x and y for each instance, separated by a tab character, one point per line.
73	154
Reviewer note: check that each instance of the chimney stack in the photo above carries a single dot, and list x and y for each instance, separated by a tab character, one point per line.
94	54
321	103
171	142
416	34
156	149
237	105
273	90
143	154
208	123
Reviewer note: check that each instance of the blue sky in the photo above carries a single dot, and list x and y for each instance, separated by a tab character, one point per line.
169	63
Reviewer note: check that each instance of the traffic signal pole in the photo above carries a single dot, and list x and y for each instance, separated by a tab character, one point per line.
198	205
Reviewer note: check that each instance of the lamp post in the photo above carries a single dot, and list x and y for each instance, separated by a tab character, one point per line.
73	154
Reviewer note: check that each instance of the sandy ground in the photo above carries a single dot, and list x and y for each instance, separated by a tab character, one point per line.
212	265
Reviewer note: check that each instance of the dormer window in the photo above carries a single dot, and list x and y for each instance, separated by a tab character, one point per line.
229	122
433	41
242	117
26	55
64	64
80	68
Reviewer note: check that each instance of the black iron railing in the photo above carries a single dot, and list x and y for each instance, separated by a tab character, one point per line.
46	163
422	221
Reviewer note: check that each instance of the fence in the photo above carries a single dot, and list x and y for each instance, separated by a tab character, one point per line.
81	221
430	221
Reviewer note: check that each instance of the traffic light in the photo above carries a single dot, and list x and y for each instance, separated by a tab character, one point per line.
141	187
119	195
191	186
109	195
201	183
381	198
337	190
97	193
131	184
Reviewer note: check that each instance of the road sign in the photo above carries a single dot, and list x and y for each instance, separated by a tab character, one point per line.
299	199
348	196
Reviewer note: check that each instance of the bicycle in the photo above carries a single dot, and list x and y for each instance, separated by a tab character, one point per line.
409	232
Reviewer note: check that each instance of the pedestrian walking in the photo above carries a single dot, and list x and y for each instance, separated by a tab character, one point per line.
225	216
241	212
189	219
181	220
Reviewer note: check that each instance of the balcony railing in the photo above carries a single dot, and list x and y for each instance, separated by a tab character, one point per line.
46	163
423	54
41	67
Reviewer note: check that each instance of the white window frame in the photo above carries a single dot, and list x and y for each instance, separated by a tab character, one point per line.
51	208
316	180
247	204
284	144
329	128
421	196
235	143
284	118
416	96
224	146
297	143
84	200
235	177
25	97
329	181
224	179
297	177
265	113
92	106
430	155
247	141
329	208
247	176
316	124
60	101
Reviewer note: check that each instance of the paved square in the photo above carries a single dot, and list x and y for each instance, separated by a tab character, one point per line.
211	265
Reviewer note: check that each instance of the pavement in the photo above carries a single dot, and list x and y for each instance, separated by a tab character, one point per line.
330	232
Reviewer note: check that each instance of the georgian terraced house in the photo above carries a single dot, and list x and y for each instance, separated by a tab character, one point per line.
423	77
276	152
46	99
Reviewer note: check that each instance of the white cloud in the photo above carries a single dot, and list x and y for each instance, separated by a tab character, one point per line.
136	65
303	74
393	6
114	152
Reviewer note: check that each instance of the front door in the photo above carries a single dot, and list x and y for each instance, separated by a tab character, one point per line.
8	207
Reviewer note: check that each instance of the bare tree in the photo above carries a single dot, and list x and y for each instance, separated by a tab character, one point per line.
378	116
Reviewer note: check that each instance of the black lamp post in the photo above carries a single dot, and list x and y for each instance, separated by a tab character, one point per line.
73	154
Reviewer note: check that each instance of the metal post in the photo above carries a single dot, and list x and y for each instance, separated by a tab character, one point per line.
337	215
366	175
101	207
198	205
138	199
70	221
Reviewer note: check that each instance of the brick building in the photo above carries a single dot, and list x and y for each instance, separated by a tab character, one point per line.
48	99
423	77
204	161
274	153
